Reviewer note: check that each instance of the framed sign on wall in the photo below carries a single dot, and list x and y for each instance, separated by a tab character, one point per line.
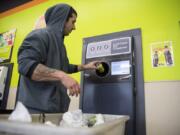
6	45
162	54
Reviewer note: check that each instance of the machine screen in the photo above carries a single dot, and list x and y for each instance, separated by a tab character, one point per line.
120	67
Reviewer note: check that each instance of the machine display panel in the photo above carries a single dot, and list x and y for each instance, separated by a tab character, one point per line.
120	67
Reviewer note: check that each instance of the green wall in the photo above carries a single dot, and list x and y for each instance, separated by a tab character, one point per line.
158	20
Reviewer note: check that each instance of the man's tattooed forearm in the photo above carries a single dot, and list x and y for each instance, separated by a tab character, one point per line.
42	72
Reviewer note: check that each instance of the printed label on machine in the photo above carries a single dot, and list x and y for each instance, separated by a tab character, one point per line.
109	47
120	67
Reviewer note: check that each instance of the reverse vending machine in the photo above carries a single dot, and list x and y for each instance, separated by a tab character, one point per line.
117	86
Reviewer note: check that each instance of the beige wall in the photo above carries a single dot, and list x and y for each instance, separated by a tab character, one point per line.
162	108
11	98
74	105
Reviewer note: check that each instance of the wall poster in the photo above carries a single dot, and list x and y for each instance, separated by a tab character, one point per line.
40	22
6	45
162	54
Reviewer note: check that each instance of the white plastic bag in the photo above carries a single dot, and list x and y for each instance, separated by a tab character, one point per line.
99	119
20	113
72	119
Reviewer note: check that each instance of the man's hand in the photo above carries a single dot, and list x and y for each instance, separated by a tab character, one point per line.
71	84
89	66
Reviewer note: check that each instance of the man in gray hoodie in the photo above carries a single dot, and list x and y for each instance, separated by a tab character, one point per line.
44	65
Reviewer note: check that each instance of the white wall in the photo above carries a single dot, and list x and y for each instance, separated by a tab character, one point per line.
11	98
162	101
74	105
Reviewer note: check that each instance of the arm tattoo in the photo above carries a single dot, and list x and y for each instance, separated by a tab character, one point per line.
44	70
43	73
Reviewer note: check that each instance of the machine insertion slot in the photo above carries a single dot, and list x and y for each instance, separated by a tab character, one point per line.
102	70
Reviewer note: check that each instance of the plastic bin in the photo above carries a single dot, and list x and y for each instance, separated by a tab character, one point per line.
114	125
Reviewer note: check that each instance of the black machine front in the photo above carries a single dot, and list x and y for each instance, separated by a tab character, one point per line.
113	88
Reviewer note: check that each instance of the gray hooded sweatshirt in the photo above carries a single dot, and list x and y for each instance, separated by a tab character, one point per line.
45	46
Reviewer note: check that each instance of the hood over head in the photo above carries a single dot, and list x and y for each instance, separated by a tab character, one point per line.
56	16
